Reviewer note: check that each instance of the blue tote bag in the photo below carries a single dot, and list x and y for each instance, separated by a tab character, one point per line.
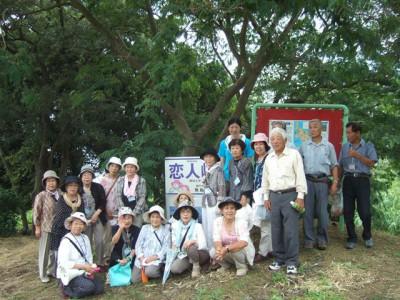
120	275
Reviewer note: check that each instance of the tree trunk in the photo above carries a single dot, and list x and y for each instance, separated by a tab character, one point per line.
25	225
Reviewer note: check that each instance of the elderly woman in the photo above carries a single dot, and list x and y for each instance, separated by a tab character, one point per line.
232	243
214	192
131	190
182	196
75	254
152	245
240	173
189	240
125	235
67	204
94	201
43	216
109	184
261	147
234	127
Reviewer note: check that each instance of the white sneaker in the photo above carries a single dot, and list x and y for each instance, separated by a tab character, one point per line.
45	279
241	272
291	270
275	266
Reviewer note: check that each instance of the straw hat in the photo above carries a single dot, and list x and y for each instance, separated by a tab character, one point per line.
176	199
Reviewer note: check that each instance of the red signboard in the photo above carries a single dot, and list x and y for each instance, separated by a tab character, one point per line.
333	120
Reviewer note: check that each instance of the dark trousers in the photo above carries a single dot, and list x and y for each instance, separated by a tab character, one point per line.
284	228
357	190
82	286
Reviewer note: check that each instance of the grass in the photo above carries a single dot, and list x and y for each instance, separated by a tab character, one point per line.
335	274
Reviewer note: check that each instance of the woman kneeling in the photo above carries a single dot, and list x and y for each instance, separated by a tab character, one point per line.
152	245
75	257
232	243
189	240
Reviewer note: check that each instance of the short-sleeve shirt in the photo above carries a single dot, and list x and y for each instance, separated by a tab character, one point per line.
318	159
366	149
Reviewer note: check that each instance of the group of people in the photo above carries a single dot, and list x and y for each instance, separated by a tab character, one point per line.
235	196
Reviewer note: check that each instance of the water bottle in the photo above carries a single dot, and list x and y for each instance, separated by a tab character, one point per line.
295	205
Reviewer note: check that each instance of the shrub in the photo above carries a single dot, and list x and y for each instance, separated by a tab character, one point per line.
8	215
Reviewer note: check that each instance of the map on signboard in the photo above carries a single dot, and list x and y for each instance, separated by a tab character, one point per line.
301	133
297	131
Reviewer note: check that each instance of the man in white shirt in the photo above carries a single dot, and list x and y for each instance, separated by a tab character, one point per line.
284	181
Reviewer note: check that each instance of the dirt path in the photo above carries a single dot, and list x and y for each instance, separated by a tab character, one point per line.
336	273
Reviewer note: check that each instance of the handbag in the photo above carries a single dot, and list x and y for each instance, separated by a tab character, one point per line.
263	214
66	275
120	275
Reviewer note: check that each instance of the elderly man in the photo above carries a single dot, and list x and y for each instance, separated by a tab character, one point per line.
356	160
281	124
284	181
319	159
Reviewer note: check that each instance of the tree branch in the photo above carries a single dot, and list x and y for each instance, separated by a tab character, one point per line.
47	8
116	44
221	106
150	13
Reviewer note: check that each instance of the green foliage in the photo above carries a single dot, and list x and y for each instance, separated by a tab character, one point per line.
8	215
385	201
159	78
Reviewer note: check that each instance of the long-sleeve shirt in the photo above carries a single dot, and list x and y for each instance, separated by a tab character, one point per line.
241	170
44	210
99	196
147	244
112	203
215	181
138	205
58	230
68	255
224	152
284	172
198	236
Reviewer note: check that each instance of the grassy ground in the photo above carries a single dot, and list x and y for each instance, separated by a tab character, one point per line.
336	273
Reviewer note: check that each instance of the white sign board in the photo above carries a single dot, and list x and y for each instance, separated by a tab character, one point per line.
183	174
